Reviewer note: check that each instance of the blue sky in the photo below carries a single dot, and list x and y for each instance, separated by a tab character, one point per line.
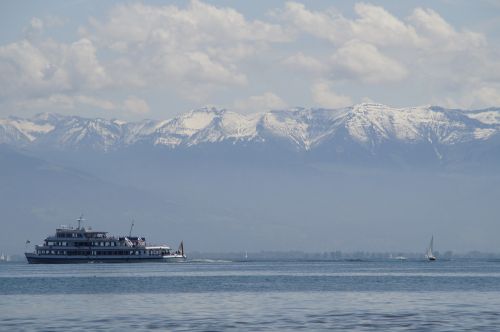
155	59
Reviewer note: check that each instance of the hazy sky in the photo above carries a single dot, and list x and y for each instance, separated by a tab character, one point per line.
155	59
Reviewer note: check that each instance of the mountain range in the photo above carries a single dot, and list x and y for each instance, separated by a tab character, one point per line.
367	130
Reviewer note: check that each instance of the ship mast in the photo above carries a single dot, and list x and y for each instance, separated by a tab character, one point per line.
80	219
131	226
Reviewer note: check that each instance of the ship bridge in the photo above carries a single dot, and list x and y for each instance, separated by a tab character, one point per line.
80	232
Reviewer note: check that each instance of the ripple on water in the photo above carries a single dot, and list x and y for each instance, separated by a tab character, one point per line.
454	296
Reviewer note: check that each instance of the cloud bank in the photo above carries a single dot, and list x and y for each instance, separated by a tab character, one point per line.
140	60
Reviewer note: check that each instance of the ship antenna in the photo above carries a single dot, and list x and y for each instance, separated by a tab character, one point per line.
131	226
80	219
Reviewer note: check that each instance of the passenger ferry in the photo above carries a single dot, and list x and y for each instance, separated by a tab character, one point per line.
83	245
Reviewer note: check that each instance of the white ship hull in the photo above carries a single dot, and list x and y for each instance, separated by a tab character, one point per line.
52	259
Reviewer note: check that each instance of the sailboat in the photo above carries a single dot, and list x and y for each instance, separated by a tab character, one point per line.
429	255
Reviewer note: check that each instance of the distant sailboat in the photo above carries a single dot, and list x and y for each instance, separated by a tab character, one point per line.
429	255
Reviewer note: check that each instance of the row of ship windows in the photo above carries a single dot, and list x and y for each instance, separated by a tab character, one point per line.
82	244
100	253
78	235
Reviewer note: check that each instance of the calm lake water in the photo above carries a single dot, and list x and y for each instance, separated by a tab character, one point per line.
255	296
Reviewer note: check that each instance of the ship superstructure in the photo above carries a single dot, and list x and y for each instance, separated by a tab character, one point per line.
84	245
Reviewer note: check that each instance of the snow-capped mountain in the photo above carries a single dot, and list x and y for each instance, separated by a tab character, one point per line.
365	126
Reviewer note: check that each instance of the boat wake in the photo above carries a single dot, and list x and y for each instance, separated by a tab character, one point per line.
203	260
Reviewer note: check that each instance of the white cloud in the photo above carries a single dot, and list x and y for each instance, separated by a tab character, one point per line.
203	53
61	102
477	97
56	102
423	29
26	70
197	47
96	102
374	24
136	105
363	61
264	102
306	63
486	96
437	34
36	23
34	28
377	26
199	67
356	55
46	68
193	50
376	47
172	26
324	96
83	66
328	25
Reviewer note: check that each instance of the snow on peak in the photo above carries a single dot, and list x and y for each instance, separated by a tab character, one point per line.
489	116
375	123
367	124
205	125
199	119
48	117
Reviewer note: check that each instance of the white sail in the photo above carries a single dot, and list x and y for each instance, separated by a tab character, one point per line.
429	254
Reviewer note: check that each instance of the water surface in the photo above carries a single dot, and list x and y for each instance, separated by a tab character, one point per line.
256	296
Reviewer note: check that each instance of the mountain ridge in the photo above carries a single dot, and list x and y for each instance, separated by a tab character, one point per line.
371	127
